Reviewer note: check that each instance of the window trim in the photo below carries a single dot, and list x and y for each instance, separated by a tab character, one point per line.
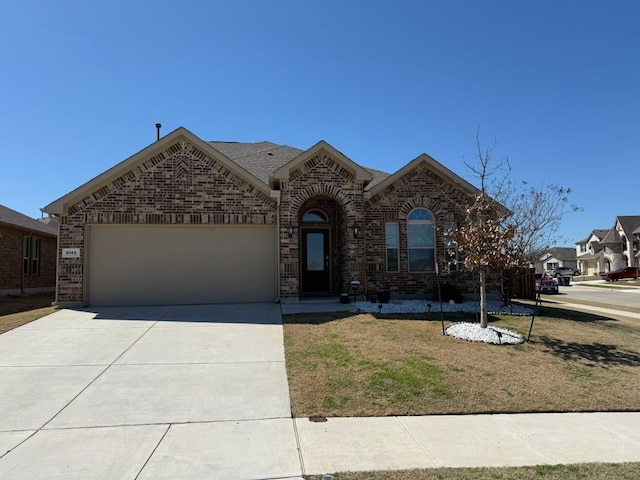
315	211
31	252
396	247
430	222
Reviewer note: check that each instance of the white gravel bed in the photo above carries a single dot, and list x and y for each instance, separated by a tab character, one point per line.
466	331
422	306
475	333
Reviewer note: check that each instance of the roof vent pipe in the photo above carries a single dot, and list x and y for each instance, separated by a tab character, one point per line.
158	126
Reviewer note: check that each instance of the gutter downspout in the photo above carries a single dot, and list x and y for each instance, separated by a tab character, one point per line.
22	268
59	220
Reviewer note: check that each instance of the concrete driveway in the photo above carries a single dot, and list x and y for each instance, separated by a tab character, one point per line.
147	393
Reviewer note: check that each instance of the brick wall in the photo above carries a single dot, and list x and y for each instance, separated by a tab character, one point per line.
418	188
322	179
181	185
11	278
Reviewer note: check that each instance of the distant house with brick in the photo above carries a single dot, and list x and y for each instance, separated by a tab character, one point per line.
188	221
27	253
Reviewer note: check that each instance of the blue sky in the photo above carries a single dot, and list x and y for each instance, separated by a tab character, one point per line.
555	83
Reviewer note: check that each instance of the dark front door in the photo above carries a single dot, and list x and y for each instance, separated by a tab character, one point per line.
315	277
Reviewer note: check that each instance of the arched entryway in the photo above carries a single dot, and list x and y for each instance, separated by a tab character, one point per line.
322	253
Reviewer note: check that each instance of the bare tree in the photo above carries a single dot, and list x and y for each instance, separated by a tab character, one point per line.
505	227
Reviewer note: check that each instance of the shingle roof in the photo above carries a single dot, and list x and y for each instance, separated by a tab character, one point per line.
629	223
563	253
599	232
611	237
592	256
261	159
18	220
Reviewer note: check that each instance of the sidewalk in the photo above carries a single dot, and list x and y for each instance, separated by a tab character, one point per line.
396	443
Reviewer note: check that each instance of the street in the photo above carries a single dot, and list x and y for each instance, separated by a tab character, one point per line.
599	293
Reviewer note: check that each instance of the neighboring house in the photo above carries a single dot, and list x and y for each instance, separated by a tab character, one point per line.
590	255
27	253
621	244
186	221
557	257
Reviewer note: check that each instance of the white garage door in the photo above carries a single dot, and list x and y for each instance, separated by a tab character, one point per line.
172	265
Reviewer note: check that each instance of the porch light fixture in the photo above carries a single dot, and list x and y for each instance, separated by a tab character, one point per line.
356	228
290	228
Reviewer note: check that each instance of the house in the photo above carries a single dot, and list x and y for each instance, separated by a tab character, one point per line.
557	257
621	244
590	254
27	253
608	249
185	221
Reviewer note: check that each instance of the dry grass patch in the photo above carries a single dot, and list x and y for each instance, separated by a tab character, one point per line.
16	311
363	365
592	471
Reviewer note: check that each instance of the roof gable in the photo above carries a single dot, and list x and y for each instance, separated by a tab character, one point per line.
433	165
360	174
628	224
117	175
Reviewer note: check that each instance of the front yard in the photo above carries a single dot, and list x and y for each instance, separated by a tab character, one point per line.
370	365
16	311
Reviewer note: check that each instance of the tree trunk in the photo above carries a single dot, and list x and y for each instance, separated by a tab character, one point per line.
483	300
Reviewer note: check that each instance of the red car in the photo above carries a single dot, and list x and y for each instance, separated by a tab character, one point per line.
544	284
626	272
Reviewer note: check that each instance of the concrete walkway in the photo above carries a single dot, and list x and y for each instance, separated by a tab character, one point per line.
200	392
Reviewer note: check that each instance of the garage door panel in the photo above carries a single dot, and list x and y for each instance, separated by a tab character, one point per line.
162	265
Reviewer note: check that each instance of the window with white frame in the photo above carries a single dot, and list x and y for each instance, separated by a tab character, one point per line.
451	248
421	241
393	250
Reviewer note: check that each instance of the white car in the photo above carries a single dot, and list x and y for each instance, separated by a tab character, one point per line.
563	271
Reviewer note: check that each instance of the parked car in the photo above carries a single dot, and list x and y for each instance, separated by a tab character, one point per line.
564	271
626	272
545	284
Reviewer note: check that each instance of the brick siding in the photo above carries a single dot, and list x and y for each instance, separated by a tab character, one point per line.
322	182
418	188
11	277
181	185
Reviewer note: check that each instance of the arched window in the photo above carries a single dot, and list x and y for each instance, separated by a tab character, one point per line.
421	239
314	216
